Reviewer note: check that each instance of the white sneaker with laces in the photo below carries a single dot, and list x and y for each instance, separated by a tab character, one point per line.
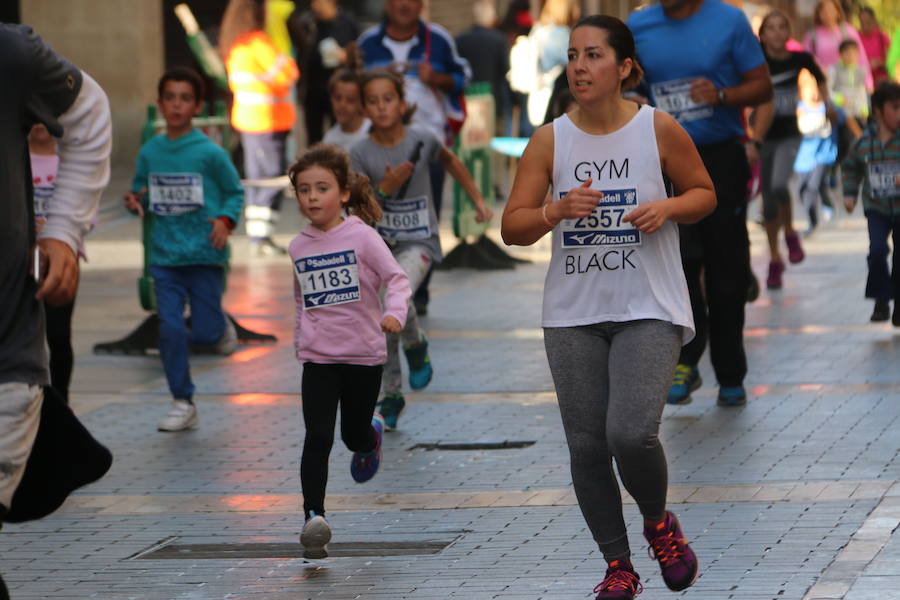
182	415
315	536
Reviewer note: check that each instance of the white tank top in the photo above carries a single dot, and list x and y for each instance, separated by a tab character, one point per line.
601	268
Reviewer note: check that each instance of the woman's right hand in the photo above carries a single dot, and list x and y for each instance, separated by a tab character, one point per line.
578	203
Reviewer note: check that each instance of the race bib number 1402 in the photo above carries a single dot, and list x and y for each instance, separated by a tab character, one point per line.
604	226
328	279
175	193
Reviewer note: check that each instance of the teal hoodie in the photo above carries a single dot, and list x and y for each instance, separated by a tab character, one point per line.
189	180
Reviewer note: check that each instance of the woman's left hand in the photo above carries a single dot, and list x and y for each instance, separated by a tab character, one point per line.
649	217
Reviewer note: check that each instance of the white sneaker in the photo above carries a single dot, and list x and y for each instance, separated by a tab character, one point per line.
228	342
315	536
182	415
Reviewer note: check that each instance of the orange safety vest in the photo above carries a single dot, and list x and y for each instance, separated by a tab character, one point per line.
260	77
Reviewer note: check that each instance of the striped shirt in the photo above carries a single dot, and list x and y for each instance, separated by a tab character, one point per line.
877	167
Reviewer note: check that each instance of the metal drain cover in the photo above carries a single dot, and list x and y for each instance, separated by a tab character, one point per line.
483	445
181	551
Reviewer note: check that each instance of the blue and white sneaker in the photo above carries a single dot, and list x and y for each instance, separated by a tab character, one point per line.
390	408
731	396
315	536
420	369
364	465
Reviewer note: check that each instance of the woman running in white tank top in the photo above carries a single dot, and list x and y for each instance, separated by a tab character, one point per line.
616	307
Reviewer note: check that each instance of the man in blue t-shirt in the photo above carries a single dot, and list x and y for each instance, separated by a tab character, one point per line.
718	69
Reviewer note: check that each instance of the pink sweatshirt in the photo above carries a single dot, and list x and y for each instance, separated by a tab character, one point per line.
338	275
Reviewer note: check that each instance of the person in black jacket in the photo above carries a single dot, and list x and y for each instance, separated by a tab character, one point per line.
323	41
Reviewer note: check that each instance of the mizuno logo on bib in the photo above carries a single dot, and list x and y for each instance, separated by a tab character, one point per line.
328	279
175	193
604	226
405	219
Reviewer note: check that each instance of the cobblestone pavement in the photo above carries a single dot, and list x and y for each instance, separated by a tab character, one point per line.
794	497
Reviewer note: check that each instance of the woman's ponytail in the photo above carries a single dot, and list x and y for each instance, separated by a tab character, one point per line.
363	203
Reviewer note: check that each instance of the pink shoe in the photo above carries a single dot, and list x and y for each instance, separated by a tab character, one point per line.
620	583
677	561
795	249
773	281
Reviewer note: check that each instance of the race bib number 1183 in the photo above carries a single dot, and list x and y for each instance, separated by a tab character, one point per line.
328	279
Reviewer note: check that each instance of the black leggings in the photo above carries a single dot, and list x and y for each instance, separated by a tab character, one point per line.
322	387
59	341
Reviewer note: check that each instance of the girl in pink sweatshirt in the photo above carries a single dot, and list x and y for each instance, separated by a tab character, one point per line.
340	266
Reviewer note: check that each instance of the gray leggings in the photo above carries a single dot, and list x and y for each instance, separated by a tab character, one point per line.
776	159
611	380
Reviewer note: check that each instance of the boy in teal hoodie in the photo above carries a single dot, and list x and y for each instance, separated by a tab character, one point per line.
193	191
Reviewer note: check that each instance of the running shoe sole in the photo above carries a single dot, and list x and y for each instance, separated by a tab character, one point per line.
315	537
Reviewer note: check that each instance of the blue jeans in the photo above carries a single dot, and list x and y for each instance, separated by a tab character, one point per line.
881	283
203	286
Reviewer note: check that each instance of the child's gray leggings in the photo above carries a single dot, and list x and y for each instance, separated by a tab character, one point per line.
612	380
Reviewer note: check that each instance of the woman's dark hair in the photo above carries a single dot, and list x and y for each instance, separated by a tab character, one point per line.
394	78
619	38
362	202
769	15
241	16
183	74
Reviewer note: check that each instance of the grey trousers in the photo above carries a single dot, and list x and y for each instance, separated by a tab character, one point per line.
611	381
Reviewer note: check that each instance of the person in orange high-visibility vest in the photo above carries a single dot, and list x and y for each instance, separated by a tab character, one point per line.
260	77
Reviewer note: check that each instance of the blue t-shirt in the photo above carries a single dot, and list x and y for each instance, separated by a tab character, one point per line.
189	180
717	43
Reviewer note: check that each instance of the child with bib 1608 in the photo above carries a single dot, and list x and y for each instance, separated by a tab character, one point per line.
396	157
341	265
194	193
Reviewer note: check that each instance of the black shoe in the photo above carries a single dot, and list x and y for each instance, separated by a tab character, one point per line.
752	288
882	312
895	318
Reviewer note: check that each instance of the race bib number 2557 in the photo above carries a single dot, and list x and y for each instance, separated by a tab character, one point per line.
328	279
605	225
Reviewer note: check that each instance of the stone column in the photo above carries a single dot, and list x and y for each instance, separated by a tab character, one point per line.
120	44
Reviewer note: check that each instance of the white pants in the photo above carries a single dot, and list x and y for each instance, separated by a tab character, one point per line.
415	262
20	415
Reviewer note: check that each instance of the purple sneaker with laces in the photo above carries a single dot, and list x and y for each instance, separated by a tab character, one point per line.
795	248
364	465
620	583
677	561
